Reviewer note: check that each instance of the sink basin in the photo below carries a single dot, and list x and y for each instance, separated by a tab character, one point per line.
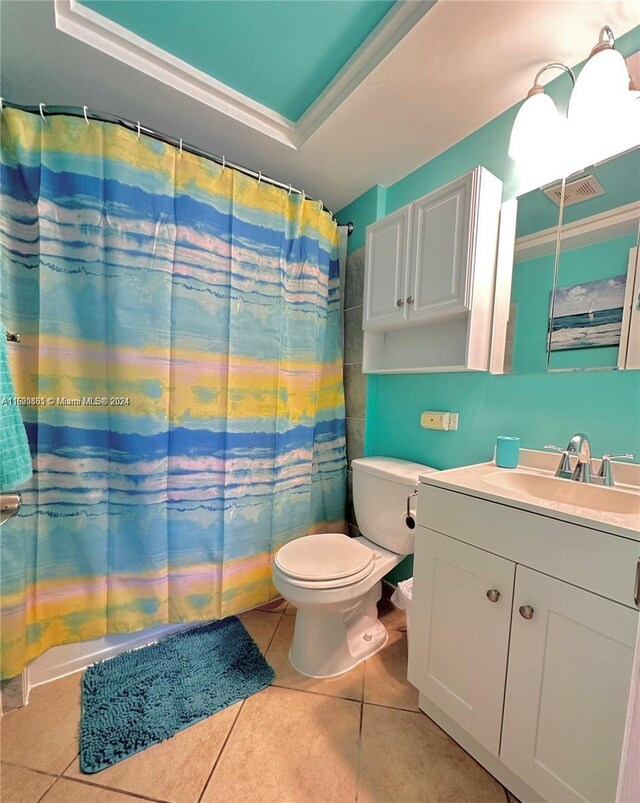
567	492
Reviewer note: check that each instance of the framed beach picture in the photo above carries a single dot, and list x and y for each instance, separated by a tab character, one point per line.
588	315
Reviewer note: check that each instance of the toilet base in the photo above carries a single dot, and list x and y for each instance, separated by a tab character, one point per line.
329	643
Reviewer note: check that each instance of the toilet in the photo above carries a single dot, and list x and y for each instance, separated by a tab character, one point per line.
335	581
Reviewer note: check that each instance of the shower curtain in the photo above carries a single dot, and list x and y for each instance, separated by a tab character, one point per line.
181	378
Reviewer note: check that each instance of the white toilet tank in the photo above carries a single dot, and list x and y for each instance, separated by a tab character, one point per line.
381	486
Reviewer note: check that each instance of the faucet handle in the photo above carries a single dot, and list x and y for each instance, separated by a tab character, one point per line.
564	469
559	449
604	472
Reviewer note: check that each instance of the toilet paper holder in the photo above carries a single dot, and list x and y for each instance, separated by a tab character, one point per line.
409	518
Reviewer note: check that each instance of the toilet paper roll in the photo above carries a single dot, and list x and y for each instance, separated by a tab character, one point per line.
410	520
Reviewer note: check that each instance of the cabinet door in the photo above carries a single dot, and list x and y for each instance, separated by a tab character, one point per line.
386	261
439	280
567	689
459	637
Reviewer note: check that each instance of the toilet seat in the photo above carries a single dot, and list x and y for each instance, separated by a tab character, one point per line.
326	560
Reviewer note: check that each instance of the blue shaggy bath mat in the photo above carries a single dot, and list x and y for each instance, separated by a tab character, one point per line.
143	697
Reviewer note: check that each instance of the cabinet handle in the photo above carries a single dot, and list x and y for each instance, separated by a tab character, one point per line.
526	611
636	589
493	595
409	299
399	302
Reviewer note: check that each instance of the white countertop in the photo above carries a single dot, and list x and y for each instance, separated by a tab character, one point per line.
479	481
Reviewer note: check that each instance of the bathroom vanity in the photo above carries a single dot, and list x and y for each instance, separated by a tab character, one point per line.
524	621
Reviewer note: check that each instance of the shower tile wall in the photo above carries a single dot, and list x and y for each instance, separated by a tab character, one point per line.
354	379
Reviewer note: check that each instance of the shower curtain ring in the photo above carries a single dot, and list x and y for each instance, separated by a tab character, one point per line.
42	112
1	104
224	163
138	129
321	205
259	176
180	146
84	111
289	193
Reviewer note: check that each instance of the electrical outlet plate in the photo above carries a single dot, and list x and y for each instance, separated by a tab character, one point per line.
431	419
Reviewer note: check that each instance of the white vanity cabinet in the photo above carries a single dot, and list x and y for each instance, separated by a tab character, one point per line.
567	689
515	647
459	660
429	280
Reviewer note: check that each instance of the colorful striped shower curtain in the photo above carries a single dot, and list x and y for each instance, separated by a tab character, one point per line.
181	378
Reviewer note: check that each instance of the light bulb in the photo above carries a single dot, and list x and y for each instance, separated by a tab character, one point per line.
538	137
603	113
603	79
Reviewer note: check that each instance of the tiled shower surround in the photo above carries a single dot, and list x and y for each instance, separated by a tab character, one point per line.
354	379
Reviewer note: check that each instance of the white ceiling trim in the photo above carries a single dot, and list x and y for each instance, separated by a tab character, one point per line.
119	42
393	27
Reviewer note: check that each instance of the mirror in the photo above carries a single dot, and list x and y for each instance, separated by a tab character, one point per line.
575	272
596	263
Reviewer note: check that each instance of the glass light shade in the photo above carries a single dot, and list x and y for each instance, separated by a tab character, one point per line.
604	79
603	113
538	136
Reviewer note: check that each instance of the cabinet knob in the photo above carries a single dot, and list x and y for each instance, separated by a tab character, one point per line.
493	595
526	611
409	299
399	302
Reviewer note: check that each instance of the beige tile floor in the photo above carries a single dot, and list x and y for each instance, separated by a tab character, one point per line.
359	737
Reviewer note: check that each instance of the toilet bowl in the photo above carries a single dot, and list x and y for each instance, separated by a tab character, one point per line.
335	581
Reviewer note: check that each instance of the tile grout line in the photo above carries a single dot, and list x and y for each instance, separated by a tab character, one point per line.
222	749
46	792
63	773
94	785
364	680
348	699
31	769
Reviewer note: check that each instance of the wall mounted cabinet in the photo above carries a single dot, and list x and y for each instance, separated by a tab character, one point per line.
429	280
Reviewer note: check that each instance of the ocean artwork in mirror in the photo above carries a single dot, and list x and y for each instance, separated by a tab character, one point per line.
588	315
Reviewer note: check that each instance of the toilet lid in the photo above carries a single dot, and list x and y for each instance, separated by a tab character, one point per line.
325	557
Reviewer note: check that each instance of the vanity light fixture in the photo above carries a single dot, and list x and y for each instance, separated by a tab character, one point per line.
540	130
604	110
603	116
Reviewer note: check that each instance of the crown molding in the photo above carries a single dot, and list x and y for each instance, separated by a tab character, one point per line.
115	40
391	29
93	29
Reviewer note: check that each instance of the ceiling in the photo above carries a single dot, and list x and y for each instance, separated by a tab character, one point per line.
281	54
458	66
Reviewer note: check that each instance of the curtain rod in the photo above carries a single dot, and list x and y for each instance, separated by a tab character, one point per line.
104	117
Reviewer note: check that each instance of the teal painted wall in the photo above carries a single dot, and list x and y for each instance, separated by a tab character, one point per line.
282	54
538	407
531	290
366	208
536	211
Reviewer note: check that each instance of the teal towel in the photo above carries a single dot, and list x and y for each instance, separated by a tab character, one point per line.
15	459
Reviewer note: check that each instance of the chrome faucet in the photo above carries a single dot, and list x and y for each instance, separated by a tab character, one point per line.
580	448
